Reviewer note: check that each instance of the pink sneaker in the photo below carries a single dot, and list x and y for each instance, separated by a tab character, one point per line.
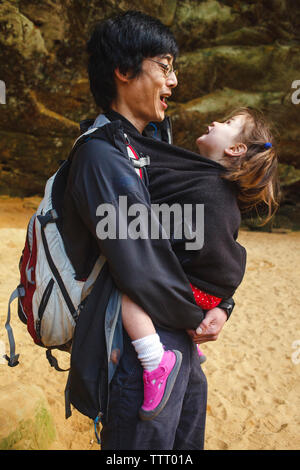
158	384
202	356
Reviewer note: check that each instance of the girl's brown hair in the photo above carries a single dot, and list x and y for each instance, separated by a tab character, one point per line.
255	172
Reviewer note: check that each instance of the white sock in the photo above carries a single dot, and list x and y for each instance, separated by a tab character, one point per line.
149	350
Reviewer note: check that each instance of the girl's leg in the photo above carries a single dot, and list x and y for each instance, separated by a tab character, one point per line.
142	333
136	321
160	367
201	355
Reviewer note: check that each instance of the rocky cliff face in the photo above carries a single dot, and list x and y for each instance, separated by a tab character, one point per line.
232	54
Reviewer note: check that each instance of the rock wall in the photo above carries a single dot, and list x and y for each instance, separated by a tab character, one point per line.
232	54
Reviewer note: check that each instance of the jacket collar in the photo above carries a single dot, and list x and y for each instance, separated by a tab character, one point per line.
160	131
106	118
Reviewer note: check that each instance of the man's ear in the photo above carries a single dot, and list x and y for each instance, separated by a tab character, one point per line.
123	77
236	150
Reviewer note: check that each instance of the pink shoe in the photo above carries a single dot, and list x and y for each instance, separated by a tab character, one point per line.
158	384
202	357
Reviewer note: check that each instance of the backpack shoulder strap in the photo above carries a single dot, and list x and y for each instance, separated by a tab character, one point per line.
100	121
89	283
138	161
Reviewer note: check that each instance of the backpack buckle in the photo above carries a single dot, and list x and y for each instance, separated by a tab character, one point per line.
12	361
50	216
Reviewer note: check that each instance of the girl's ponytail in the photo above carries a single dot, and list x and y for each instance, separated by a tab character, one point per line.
256	172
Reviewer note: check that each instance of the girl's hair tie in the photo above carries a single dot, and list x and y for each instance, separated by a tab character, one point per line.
267	145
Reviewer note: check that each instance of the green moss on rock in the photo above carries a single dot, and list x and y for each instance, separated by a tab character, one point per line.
26	422
32	433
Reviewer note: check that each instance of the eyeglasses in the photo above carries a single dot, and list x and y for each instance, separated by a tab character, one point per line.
167	68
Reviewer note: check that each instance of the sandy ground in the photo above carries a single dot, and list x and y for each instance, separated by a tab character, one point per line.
253	369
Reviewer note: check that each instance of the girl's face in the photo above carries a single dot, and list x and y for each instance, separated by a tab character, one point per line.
221	137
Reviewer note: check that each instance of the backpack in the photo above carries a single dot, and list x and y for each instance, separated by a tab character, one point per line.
50	298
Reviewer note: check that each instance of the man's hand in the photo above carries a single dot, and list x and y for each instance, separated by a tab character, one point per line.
210	327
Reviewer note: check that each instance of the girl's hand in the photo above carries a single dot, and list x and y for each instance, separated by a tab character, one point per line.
210	328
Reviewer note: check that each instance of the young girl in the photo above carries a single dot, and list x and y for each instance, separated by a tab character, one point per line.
239	153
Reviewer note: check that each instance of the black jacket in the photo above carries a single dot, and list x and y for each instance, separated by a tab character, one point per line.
179	176
147	270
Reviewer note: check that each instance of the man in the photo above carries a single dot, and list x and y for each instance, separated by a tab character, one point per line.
131	76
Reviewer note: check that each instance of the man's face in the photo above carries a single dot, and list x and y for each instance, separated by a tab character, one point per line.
220	136
147	94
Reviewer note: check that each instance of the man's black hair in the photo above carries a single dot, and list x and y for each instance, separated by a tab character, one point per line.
124	41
